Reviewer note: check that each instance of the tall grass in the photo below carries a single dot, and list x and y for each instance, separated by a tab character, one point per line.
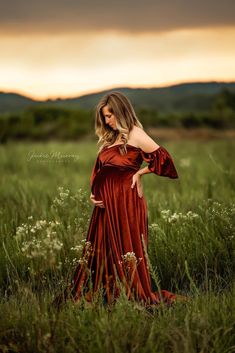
45	212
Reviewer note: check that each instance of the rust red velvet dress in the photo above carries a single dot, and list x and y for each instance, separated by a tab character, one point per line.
121	228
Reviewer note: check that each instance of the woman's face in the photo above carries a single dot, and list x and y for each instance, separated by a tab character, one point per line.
110	118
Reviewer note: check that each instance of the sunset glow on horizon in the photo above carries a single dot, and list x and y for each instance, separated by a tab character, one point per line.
48	64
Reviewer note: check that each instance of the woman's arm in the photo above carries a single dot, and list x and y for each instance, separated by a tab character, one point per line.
158	158
143	171
147	144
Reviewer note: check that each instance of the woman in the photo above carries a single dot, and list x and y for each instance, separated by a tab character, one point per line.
115	249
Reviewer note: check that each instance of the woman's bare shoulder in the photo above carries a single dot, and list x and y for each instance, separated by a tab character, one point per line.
142	140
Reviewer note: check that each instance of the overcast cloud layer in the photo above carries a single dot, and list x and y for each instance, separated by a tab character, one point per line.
124	15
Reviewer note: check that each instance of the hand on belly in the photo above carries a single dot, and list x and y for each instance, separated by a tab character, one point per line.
98	203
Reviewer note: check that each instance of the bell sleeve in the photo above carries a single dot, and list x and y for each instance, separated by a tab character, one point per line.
97	166
160	162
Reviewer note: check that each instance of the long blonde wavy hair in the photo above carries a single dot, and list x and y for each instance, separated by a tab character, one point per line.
119	105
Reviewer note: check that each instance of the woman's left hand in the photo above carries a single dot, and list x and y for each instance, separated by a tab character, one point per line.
136	180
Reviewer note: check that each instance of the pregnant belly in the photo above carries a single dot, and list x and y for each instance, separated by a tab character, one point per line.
112	181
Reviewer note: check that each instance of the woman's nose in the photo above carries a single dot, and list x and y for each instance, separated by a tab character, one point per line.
107	120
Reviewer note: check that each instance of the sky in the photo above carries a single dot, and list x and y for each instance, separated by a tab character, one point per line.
66	48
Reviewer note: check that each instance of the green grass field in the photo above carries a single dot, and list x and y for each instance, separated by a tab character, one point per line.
45	212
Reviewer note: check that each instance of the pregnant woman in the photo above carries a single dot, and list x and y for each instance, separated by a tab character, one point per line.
115	249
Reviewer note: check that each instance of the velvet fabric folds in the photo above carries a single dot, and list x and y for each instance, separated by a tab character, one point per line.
117	237
160	162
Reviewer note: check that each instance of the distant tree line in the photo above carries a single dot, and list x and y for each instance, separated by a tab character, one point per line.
220	115
44	123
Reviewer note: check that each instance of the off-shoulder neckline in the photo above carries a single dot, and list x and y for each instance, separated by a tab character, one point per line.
132	146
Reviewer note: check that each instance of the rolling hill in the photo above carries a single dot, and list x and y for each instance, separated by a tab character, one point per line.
195	96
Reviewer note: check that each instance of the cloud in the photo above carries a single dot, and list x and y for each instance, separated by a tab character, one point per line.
133	16
70	65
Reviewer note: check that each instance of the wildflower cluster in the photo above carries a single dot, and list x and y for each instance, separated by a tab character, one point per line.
175	217
154	226
130	263
130	258
217	209
69	205
27	229
76	248
39	240
87	249
223	216
64	195
44	248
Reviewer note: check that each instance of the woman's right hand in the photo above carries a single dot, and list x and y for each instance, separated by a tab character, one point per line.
95	202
